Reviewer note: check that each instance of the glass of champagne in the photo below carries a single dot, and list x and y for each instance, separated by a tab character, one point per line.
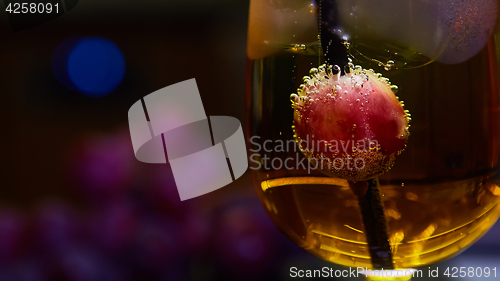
442	193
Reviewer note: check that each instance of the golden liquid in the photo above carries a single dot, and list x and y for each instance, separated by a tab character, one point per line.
426	222
439	198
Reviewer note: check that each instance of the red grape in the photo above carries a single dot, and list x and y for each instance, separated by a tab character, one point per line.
351	126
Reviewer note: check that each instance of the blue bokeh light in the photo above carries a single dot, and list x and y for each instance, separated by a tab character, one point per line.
93	66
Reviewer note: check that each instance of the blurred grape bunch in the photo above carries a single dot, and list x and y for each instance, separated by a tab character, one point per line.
196	229
122	241
112	227
157	244
28	269
57	226
102	167
158	184
133	226
87	263
245	240
13	236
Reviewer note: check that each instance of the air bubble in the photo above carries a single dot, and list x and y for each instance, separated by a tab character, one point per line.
329	67
294	98
336	69
313	71
389	64
348	69
346	44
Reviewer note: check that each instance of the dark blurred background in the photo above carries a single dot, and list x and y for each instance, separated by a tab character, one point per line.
74	202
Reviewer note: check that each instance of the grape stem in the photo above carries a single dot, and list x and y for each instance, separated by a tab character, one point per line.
372	211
